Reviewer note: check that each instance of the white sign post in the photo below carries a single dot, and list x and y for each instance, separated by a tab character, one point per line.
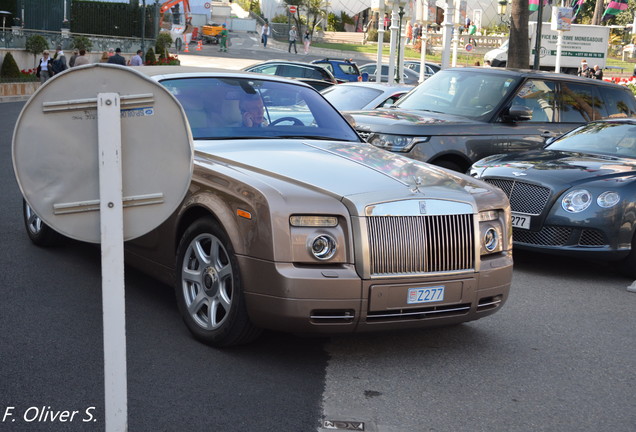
112	245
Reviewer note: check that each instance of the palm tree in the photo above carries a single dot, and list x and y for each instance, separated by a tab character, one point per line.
518	50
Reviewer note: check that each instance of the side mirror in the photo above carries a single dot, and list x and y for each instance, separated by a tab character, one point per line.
518	113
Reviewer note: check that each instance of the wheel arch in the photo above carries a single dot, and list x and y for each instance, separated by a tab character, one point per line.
452	158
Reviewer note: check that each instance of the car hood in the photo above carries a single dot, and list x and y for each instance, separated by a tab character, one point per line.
357	172
557	168
410	122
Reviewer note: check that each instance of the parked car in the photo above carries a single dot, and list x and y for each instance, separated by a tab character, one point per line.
344	70
409	77
316	76
461	115
295	224
359	96
575	197
415	65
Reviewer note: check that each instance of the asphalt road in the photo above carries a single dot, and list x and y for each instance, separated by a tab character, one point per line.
560	356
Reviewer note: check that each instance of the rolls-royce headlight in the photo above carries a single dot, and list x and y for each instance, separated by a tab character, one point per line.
576	201
323	247
491	239
398	143
608	199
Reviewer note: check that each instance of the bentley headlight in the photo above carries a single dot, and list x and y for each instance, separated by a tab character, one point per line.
398	143
608	199
323	247
576	201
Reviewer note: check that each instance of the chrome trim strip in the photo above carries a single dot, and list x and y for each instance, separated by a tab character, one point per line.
433	312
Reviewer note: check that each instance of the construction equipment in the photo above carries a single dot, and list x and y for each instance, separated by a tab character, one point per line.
181	25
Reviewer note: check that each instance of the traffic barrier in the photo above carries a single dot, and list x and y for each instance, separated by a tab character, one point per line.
185	42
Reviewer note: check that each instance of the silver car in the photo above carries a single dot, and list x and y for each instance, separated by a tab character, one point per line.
293	223
364	95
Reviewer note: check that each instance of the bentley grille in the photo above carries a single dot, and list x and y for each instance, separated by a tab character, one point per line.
524	197
403	245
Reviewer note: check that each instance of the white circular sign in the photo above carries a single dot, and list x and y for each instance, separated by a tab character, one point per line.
55	151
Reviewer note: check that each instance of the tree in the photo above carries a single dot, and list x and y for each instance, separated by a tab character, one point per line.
163	42
598	13
317	9
35	44
82	43
9	68
518	51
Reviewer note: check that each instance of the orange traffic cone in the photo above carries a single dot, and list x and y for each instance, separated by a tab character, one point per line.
185	41
199	46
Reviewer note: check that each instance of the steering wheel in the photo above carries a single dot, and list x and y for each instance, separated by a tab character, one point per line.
439	101
294	120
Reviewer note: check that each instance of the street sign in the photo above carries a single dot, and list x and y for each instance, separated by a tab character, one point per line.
469	47
102	154
55	154
292	9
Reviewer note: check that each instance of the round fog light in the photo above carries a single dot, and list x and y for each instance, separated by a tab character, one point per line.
323	247
491	239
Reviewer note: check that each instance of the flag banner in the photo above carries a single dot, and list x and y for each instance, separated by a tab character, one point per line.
614	8
576	6
533	5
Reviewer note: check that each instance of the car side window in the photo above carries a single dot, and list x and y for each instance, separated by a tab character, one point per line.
619	103
292	71
580	103
327	66
269	70
539	96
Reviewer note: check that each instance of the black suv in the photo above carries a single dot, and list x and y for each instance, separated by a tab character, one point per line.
461	115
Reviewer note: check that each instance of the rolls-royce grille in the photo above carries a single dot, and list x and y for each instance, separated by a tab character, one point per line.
402	245
524	197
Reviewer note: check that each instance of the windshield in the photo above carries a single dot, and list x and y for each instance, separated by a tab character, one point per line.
221	108
615	139
350	98
464	93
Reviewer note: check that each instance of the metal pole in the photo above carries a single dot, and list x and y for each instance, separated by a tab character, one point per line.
447	33
143	28
392	46
423	37
537	43
378	72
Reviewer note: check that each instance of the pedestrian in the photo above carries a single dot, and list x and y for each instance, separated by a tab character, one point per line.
136	60
417	32
265	32
59	60
223	38
472	31
598	72
307	41
81	59
117	58
293	35
105	57
44	70
584	70
409	32
71	61
111	52
487	63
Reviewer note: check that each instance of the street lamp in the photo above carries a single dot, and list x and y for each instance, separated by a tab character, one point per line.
502	8
401	15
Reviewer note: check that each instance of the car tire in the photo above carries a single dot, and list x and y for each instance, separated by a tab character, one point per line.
39	233
627	265
453	166
208	287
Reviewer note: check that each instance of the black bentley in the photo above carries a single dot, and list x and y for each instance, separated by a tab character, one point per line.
576	196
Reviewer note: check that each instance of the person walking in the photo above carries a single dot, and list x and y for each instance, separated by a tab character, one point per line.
598	72
223	39
81	59
293	35
584	70
409	33
137	60
117	58
44	70
265	32
307	41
